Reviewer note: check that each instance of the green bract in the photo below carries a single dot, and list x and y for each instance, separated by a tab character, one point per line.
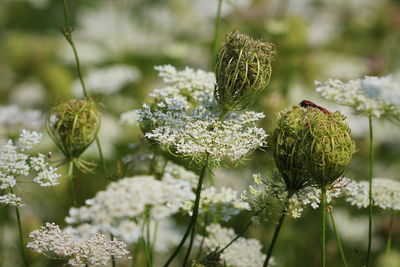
328	147
243	69
73	126
288	149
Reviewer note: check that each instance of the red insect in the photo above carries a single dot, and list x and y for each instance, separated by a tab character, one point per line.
306	103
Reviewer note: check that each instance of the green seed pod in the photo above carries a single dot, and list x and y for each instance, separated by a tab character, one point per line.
328	147
288	149
73	126
243	70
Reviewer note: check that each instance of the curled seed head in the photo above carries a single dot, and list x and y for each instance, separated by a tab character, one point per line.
243	70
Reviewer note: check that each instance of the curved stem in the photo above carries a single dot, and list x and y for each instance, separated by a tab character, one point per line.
72	183
389	240
216	32
274	238
67	32
203	237
193	220
103	163
323	227
339	242
21	236
371	171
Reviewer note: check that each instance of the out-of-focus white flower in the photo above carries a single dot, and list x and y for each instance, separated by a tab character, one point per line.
352	229
118	209
242	253
385	193
28	94
187	119
371	96
224	202
96	250
128	118
107	80
15	163
14	117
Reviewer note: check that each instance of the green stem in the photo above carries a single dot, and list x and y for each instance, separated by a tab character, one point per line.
204	236
236	237
389	240
21	236
193	220
68	36
148	244
371	171
103	163
323	227
72	183
112	256
274	238
216	32
339	242
154	240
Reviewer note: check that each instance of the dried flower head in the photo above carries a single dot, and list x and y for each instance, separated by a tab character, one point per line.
288	151
243	70
328	147
73	126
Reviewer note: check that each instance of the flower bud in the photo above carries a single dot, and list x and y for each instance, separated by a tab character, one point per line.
243	69
328	147
287	146
73	126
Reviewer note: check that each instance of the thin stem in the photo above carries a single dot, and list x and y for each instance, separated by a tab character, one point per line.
236	237
323	227
148	244
371	172
21	236
339	242
67	32
193	219
154	240
72	183
274	238
204	236
112	256
216	32
103	163
389	240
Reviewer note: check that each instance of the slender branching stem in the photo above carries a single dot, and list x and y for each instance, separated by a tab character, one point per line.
148	244
371	173
21	235
204	236
72	183
323	227
274	238
155	233
68	36
217	24
236	237
389	239
193	220
338	240
103	162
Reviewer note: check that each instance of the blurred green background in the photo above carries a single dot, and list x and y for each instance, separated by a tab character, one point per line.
316	40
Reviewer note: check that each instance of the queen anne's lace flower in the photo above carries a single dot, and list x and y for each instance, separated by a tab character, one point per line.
373	96
385	193
95	250
118	209
223	201
15	163
15	117
270	198
242	253
186	119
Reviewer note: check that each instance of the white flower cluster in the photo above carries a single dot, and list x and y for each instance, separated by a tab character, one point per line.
15	163
385	193
263	194
242	253
186	119
14	117
96	250
375	96
128	118
223	201
107	80
117	210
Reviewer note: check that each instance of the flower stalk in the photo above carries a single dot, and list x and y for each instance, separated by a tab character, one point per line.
339	242
389	239
323	226
371	173
21	236
193	221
